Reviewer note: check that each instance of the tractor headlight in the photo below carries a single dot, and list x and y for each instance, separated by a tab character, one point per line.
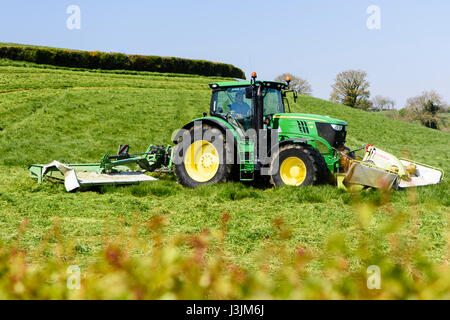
337	127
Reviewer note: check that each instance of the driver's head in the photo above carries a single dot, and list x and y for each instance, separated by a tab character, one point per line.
240	97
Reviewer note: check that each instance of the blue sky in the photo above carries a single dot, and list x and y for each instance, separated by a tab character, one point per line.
313	39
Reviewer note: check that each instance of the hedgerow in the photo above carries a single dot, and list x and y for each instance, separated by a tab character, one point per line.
117	61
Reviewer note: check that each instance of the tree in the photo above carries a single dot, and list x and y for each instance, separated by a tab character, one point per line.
382	103
351	89
302	86
425	108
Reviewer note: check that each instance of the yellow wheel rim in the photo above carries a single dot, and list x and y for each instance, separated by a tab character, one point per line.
201	161
293	171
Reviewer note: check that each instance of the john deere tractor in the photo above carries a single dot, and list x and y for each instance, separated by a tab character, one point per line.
290	148
249	136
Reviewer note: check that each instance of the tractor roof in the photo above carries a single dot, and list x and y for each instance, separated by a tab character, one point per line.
228	84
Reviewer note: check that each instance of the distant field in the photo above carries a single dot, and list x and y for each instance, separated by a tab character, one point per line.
443	125
77	116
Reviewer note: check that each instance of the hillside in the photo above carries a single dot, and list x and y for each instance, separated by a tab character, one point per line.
76	116
163	102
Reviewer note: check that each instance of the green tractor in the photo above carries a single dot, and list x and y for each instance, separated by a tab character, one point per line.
249	136
289	148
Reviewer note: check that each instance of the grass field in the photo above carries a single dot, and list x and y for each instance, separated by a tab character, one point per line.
443	122
76	116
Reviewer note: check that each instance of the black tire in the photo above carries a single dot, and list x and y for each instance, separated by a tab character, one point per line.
218	140
324	174
312	160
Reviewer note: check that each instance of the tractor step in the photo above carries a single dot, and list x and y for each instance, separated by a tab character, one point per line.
247	161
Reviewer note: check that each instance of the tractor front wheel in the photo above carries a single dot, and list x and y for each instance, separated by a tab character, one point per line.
295	165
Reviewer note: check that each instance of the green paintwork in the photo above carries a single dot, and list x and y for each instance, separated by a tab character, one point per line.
288	123
290	129
309	117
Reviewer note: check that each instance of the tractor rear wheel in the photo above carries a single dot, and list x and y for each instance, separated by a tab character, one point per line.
204	160
296	165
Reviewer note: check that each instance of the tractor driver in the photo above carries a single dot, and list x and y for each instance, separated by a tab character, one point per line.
239	106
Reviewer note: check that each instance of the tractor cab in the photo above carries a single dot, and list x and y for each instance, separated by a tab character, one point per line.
233	101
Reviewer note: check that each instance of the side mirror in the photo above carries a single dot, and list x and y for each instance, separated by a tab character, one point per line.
295	96
248	93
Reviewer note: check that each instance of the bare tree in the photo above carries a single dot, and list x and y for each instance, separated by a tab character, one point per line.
352	89
302	86
426	108
382	103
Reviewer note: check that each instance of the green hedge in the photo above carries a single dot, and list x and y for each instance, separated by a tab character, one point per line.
118	61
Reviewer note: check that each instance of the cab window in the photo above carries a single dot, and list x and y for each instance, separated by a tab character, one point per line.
273	101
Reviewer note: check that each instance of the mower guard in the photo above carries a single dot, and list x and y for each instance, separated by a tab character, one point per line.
85	175
425	175
370	176
380	169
